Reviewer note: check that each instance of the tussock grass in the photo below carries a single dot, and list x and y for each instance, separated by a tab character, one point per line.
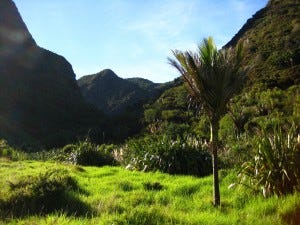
117	196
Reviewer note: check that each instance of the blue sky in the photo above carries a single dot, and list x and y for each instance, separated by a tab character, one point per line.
131	37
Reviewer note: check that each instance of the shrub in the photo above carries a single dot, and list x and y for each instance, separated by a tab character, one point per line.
151	115
201	127
275	169
281	59
174	129
54	154
236	151
8	152
227	129
46	193
162	153
82	153
88	154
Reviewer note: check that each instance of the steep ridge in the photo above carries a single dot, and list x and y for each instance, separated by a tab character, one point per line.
273	37
40	102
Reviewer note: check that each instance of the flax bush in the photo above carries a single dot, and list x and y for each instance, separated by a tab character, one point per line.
165	154
89	154
275	168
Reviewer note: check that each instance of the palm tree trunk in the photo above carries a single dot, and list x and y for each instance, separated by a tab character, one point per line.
214	145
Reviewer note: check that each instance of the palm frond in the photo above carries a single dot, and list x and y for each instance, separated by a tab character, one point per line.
212	76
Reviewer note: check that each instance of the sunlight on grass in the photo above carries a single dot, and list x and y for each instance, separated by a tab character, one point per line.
118	196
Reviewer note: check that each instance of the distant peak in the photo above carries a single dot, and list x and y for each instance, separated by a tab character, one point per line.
107	73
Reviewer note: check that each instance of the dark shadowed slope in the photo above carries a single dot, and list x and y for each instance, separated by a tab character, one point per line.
40	102
113	94
121	99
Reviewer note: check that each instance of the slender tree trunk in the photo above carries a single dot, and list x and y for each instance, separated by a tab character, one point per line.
214	145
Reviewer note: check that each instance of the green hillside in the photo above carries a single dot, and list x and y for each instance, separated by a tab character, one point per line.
273	37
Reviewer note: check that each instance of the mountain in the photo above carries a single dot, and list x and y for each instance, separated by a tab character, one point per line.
273	37
112	94
40	102
122	100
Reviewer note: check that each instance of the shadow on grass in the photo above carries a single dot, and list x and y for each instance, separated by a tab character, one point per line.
145	217
293	216
187	190
54	191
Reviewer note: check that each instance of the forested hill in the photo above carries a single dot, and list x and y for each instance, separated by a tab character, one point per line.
273	37
112	94
40	102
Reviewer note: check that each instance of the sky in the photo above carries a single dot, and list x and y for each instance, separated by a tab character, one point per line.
134	38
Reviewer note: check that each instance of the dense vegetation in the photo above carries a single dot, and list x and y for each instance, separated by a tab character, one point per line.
162	175
273	34
267	184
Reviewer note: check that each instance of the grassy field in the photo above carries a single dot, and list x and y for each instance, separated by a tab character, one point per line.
113	195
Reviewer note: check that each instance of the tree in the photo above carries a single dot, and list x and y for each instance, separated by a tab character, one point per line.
213	77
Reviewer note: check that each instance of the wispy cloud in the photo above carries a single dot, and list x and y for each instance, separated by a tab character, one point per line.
168	19
164	24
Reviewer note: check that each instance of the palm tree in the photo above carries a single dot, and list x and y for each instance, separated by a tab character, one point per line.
213	77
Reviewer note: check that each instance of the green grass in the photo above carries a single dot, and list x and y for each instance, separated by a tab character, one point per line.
118	196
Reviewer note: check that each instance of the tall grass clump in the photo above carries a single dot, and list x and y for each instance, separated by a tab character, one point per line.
10	153
275	168
162	153
46	193
83	153
89	154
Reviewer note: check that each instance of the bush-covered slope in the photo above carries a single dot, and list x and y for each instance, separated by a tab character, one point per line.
170	113
273	36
